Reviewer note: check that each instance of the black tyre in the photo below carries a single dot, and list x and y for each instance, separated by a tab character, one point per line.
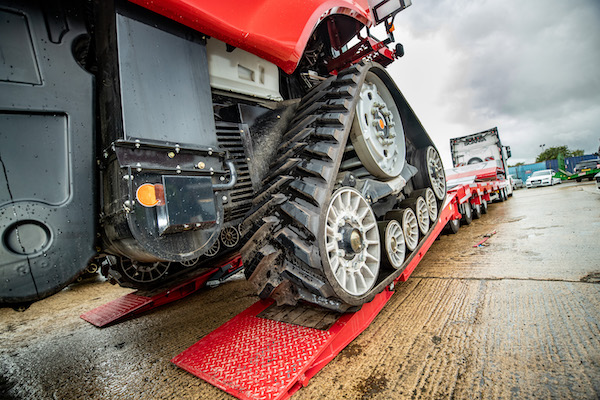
467	214
477	211
484	206
452	226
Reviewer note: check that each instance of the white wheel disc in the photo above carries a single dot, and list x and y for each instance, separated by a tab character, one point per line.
422	214
230	236
395	247
431	204
410	228
377	134
214	249
352	242
190	263
435	170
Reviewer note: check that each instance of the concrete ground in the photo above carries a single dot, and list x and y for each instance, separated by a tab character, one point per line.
517	318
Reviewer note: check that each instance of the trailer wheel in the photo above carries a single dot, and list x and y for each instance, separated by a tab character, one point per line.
452	226
501	195
467	213
476	211
484	206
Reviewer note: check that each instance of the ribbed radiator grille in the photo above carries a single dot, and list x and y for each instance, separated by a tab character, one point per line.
229	136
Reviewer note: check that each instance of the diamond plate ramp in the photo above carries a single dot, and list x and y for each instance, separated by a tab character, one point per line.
254	358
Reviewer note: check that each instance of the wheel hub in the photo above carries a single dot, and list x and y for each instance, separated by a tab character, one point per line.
352	242
377	133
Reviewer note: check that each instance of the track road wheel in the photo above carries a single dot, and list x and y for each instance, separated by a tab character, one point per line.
419	205
352	242
394	246
467	213
138	274
429	160
431	200
410	228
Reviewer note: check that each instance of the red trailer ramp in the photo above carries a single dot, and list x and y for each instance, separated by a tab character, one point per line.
268	353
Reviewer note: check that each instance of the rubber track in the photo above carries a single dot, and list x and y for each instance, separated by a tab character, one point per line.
281	256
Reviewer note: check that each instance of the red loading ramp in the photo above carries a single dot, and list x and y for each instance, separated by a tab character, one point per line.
254	357
141	301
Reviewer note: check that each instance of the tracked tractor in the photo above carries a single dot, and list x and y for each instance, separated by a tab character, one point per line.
150	138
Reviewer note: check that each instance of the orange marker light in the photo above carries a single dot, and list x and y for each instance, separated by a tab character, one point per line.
146	195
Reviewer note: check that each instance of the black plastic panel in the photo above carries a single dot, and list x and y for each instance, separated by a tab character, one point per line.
47	164
39	162
165	90
18	62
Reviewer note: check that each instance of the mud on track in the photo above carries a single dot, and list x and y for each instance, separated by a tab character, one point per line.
523	324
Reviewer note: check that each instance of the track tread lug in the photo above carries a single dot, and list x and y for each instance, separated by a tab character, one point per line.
304	217
312	191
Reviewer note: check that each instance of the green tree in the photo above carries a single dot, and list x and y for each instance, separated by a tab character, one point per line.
553	152
517	164
577	153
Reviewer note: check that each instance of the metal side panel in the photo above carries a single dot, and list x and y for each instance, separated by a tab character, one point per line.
47	209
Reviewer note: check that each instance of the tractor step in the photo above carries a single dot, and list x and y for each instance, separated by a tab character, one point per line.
141	301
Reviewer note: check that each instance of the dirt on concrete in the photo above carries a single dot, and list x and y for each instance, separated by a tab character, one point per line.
518	317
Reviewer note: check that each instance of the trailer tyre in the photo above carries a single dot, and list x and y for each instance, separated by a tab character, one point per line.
452	226
467	214
484	206
477	211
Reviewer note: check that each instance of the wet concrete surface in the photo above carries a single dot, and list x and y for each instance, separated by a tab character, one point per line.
517	318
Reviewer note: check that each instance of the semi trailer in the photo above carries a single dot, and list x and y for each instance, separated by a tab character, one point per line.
149	138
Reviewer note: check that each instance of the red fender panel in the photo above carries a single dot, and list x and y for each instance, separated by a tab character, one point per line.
274	30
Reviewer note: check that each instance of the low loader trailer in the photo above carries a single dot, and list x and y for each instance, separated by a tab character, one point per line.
271	351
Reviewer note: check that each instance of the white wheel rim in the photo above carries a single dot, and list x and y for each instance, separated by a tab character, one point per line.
214	249
410	228
395	246
146	272
190	263
377	133
352	242
230	236
431	204
422	215
435	169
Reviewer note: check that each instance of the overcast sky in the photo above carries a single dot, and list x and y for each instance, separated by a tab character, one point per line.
531	68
